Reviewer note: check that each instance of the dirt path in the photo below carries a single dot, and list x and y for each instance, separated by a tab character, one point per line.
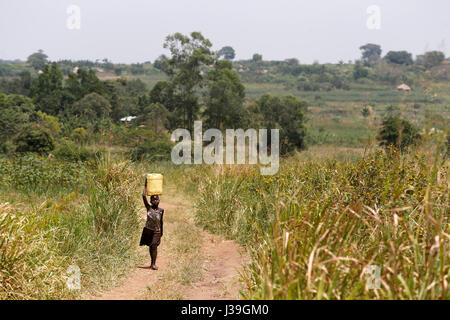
193	264
222	260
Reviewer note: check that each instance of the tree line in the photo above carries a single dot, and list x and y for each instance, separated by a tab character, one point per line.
199	85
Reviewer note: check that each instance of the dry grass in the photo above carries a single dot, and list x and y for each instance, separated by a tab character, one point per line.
87	219
314	228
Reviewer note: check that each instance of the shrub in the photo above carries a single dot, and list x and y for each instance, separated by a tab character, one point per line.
398	132
80	135
152	150
49	122
70	151
34	138
31	173
360	72
7	148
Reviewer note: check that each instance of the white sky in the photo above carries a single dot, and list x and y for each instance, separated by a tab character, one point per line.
134	30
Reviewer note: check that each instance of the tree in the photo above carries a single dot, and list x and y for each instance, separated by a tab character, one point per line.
92	106
287	114
15	112
34	138
82	83
188	54
359	71
225	97
164	93
292	62
49	122
371	53
117	109
156	148
154	117
47	90
227	53
160	62
80	135
257	57
38	60
399	57
433	58
397	132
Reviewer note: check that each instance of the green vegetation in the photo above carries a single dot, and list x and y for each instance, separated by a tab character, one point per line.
363	178
54	214
314	228
398	132
33	138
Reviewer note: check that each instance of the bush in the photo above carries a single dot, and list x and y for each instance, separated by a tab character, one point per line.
31	173
398	132
80	135
360	72
49	122
33	138
7	148
70	151
152	150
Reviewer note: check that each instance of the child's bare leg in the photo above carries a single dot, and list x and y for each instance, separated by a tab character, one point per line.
153	255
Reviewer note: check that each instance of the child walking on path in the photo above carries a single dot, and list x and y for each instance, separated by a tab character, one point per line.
153	230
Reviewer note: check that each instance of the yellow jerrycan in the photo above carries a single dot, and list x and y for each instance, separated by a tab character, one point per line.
154	184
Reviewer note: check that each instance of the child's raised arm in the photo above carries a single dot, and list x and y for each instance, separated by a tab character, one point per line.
147	205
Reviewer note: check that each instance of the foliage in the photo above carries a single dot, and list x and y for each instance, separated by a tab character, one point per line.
160	62
397	132
88	219
314	228
367	111
83	83
188	54
80	135
34	138
433	58
49	122
154	117
227	53
399	57
92	106
15	111
224	97
371	53
257	57
360	72
156	149
285	113
47	90
70	151
163	93
38	60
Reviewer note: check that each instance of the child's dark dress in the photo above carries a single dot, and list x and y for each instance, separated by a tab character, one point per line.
152	233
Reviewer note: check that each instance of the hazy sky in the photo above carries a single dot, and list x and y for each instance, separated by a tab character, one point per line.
134	30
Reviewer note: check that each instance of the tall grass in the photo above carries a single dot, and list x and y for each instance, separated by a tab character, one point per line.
88	219
314	229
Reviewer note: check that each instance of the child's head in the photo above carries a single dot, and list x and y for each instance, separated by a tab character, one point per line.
154	200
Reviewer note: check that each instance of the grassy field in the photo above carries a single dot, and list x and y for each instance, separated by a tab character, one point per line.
54	215
312	230
315	228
